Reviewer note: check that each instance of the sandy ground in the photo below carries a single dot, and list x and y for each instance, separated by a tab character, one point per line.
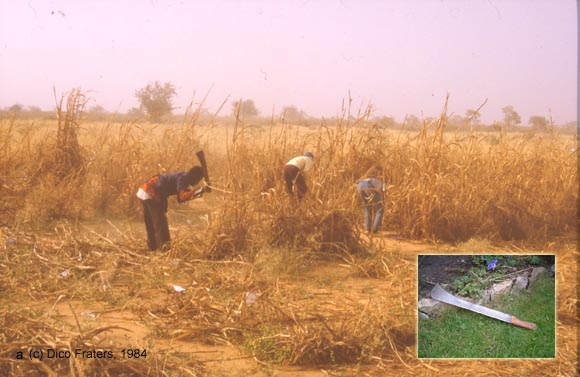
321	283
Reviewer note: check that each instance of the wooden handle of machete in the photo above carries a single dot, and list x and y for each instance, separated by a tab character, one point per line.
524	324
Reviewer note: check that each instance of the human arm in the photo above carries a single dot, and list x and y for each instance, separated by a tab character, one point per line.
186	195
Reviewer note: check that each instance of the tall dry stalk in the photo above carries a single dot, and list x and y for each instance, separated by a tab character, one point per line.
442	185
68	155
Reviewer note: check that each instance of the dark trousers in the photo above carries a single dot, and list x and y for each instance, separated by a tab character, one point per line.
294	178
156	224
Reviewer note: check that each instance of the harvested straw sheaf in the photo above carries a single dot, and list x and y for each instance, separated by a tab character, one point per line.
248	224
337	230
330	230
68	158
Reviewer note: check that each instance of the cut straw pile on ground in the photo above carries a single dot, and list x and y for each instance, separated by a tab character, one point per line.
284	326
258	243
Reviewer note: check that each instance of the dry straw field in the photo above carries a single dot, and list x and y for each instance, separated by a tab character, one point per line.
271	287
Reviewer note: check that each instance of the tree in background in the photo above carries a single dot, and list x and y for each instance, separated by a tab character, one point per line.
156	100
387	122
292	114
473	115
16	108
511	117
412	122
97	112
456	121
136	112
245	108
538	122
570	126
34	110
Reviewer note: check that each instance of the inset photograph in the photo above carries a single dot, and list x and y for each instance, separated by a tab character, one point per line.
486	306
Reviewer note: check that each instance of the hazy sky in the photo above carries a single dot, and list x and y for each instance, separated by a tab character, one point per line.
401	56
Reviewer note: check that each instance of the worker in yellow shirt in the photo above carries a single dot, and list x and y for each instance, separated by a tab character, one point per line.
294	174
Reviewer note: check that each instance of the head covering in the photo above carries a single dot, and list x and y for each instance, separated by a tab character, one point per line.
309	154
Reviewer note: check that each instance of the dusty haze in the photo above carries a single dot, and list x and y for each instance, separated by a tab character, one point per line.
400	56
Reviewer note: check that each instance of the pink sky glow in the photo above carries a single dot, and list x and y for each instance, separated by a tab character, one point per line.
401	56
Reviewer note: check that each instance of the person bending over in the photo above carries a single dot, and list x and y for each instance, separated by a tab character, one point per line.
294	174
154	194
372	193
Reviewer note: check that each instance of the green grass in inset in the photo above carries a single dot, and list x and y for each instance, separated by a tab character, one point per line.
460	333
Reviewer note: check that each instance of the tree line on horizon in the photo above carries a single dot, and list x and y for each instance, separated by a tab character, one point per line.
156	106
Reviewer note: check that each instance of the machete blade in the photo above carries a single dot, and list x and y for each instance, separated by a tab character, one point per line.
442	295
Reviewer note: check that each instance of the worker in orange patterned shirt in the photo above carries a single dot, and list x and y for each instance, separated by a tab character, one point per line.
154	194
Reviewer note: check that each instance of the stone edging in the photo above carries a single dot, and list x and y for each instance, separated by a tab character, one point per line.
429	307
